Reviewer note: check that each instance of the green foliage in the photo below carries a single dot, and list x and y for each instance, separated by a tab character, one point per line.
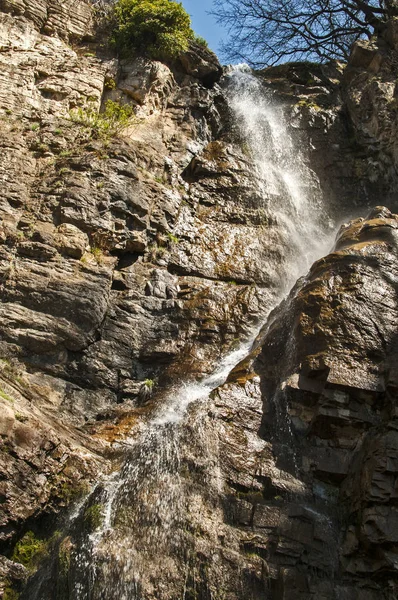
107	123
110	84
200	40
68	491
9	593
6	396
42	148
149	383
97	253
159	28
29	551
21	418
35	126
93	517
173	239
305	103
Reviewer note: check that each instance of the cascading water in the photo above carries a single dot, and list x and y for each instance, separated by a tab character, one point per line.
144	540
290	189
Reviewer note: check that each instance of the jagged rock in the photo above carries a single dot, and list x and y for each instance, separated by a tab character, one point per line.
146	256
201	63
333	374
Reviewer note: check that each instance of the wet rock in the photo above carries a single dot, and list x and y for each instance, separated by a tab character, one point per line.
330	381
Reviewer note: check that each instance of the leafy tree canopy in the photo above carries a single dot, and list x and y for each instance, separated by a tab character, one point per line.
160	29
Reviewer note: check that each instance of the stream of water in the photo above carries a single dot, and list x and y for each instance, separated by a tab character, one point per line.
143	503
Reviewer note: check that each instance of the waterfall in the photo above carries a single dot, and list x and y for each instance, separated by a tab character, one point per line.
145	530
290	189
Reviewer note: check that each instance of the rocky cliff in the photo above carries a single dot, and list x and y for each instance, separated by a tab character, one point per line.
133	259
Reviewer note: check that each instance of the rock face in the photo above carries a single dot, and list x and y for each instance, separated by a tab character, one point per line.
133	260
328	367
123	258
289	472
369	92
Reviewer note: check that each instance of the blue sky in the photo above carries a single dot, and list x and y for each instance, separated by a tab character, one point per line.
204	24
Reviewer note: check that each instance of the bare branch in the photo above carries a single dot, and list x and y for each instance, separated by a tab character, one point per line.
264	32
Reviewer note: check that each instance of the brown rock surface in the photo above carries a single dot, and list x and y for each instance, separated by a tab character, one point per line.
134	261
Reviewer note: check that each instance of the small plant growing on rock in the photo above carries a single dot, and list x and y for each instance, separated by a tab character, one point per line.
159	28
200	41
173	239
21	418
106	124
9	593
67	491
5	396
110	84
29	551
97	253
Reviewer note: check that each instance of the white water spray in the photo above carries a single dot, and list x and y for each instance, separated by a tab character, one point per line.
290	190
144	503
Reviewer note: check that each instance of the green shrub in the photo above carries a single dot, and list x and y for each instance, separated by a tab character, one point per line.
159	28
107	123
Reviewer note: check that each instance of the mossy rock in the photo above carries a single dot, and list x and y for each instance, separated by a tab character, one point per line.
10	594
30	551
93	517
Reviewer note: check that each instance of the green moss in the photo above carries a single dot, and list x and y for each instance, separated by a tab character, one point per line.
42	148
35	126
67	491
93	517
308	104
97	253
21	418
10	594
29	551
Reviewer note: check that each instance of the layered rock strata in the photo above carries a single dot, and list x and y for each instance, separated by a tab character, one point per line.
130	261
